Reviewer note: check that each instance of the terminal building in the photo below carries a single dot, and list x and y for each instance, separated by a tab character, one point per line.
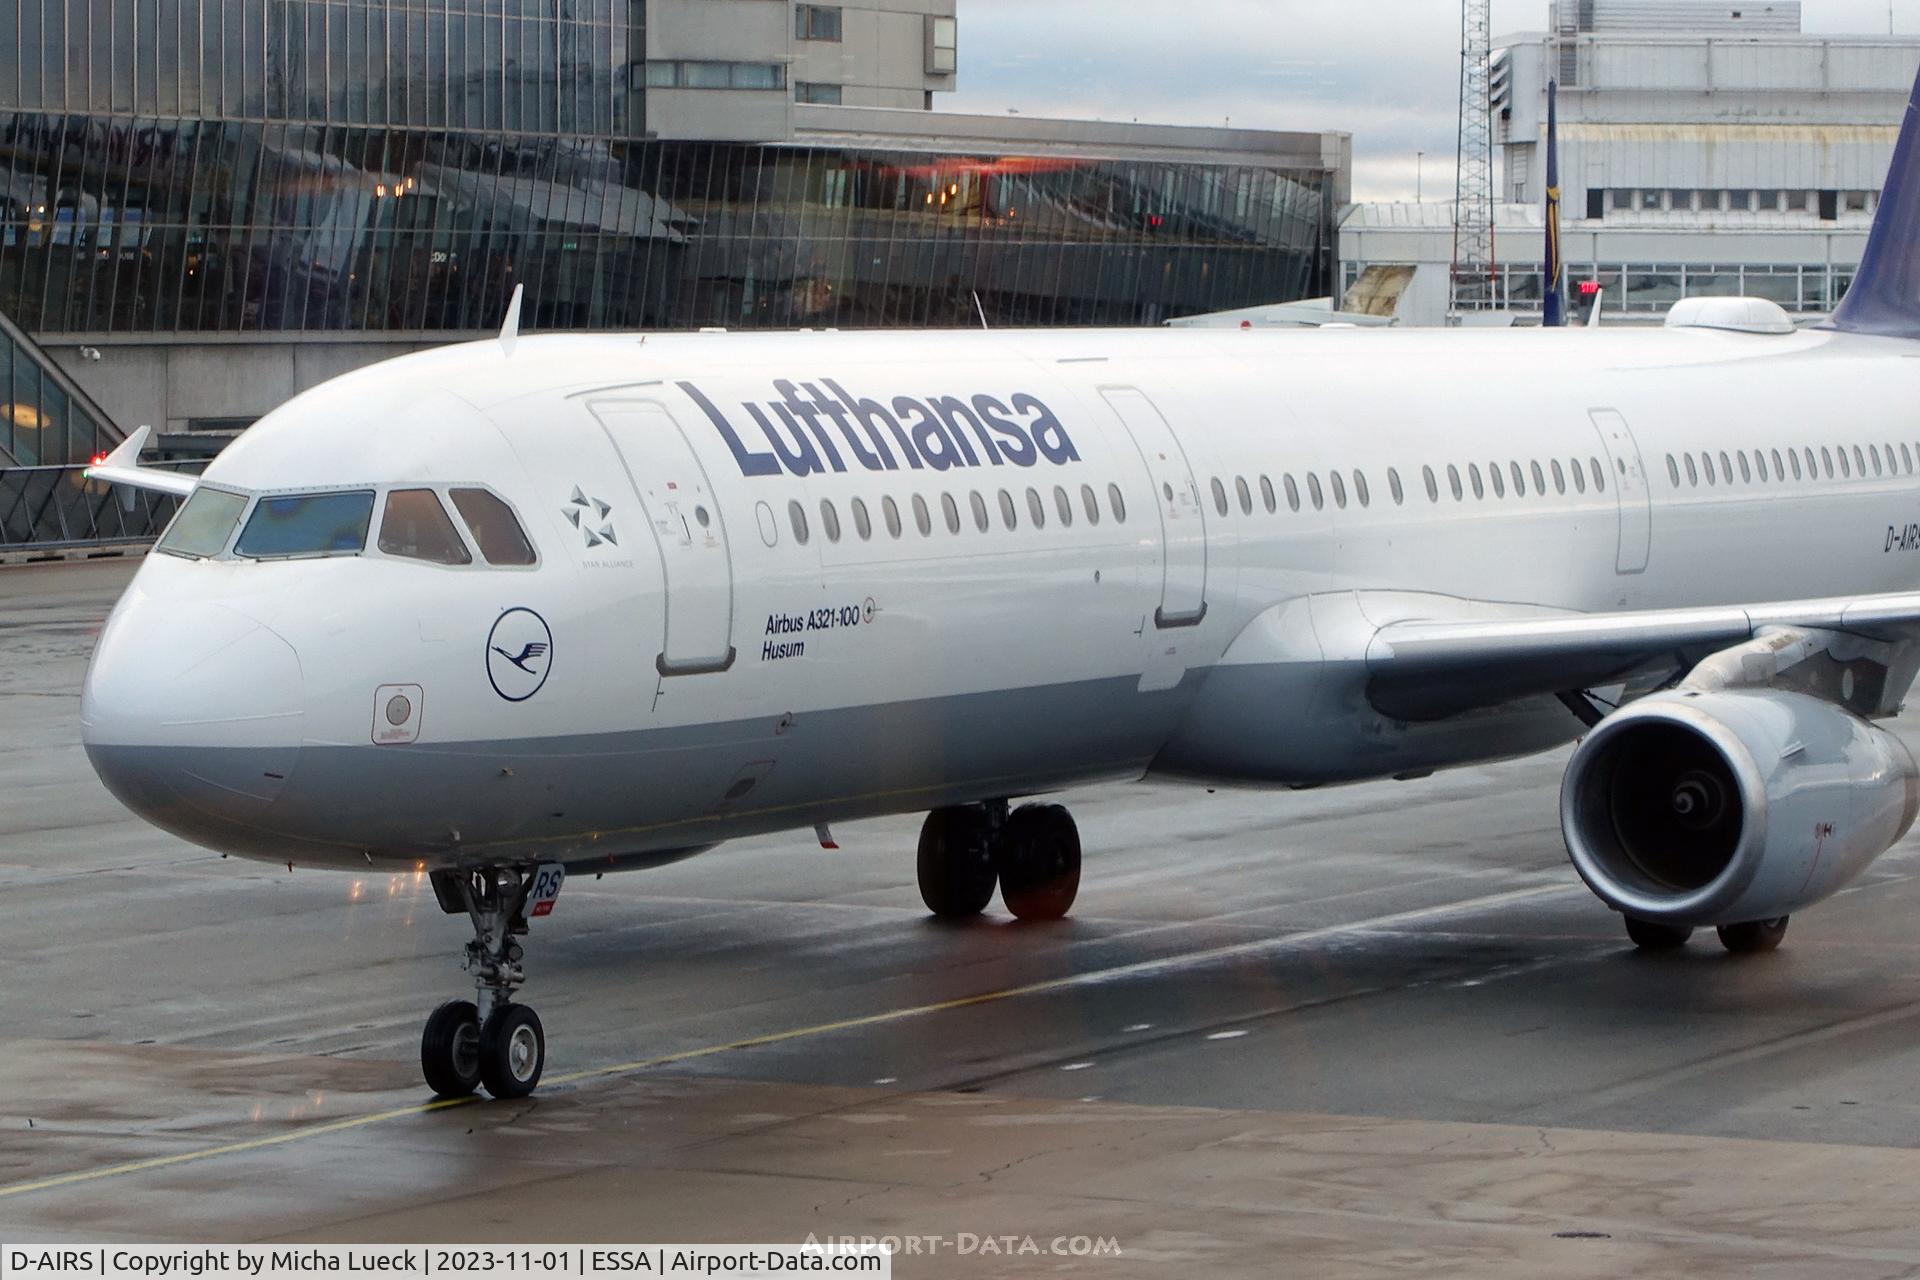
1706	149
208	205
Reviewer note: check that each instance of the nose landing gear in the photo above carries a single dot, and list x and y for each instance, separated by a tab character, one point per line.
490	1041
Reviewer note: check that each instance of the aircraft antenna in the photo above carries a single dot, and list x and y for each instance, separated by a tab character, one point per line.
1473	260
510	328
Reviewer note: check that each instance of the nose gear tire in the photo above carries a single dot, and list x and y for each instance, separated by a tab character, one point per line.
513	1051
450	1049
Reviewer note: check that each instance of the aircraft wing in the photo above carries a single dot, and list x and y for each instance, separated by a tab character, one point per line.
122	466
1428	669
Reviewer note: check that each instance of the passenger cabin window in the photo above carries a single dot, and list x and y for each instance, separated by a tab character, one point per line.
1393	483
1520	479
1244	494
308	524
1219	496
1036	509
1117	504
979	505
891	511
1313	491
494	527
829	520
204	524
1339	489
1064	505
798	515
862	522
415	526
1499	480
1007	514
1090	501
1293	493
1360	489
922	518
950	511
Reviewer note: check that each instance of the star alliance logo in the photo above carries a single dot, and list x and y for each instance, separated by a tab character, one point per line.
583	512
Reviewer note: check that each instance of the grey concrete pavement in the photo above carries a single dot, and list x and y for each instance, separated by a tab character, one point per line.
1365	1032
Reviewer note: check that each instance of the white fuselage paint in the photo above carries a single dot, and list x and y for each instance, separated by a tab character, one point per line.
1115	626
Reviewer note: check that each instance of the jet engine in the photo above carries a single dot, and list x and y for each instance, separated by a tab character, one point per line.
1701	808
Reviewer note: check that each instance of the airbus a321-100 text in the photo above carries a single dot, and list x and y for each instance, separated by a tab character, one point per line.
515	609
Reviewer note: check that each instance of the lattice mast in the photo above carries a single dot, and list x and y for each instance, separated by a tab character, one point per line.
1474	280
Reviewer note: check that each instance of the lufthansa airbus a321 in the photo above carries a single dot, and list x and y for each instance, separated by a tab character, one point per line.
520	608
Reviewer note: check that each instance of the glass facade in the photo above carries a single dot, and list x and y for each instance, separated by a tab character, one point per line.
256	166
197	167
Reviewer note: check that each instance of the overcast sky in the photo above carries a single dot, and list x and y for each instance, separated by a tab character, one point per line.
1386	71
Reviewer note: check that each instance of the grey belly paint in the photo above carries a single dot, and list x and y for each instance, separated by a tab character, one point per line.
640	798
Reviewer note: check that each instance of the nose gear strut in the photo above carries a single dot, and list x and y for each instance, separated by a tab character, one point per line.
490	1041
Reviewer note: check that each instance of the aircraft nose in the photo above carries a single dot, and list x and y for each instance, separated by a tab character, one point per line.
192	714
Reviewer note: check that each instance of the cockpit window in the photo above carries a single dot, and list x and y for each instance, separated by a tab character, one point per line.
204	523
416	526
501	539
308	524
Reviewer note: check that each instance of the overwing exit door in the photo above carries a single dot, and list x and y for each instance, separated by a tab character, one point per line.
696	563
1183	524
1631	490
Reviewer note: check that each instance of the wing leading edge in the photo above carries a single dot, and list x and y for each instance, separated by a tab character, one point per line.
1429	669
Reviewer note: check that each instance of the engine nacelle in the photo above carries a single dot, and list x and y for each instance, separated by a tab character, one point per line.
1719	807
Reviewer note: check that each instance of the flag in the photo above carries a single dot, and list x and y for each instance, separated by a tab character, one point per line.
1553	299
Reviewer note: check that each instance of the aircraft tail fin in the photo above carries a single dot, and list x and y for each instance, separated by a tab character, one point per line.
1885	297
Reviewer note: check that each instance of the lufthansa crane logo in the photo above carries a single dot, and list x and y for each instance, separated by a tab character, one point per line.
519	654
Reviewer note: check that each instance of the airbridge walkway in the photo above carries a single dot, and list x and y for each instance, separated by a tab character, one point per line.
49	430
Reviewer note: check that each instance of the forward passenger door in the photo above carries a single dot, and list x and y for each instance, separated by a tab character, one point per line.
688	529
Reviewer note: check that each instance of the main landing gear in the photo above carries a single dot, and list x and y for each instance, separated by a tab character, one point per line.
490	1041
1750	938
1032	853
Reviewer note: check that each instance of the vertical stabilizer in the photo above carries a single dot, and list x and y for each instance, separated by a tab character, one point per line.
1885	297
